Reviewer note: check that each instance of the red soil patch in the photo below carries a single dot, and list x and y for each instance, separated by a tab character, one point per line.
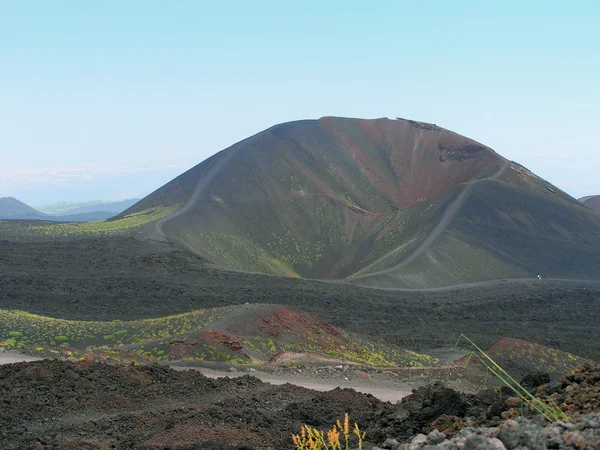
501	346
506	342
294	322
413	150
180	350
227	340
519	357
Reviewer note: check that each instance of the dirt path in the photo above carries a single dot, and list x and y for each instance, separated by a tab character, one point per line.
508	282
450	213
13	357
205	180
376	388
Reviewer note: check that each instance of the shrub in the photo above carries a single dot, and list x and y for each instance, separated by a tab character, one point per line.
549	411
310	438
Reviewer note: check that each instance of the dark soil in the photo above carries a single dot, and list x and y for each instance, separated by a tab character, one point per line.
63	404
101	279
90	405
56	402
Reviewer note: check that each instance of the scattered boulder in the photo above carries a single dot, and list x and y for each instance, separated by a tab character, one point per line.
521	434
390	444
435	437
510	434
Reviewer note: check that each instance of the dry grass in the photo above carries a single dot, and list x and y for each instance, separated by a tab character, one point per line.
337	438
549	410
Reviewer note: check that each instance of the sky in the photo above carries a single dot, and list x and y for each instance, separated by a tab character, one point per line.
110	100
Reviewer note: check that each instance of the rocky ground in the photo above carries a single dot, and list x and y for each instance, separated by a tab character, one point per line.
518	434
89	405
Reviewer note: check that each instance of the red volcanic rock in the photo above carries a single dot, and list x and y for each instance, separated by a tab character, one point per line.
217	337
295	322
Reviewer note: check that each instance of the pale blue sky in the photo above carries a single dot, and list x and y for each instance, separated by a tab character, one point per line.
112	99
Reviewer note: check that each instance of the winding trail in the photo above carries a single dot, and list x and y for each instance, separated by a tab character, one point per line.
15	357
382	391
449	214
528	282
378	389
205	179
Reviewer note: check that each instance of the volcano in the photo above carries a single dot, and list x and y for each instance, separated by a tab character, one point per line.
382	203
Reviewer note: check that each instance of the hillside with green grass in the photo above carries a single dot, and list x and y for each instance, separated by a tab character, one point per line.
501	231
244	334
33	231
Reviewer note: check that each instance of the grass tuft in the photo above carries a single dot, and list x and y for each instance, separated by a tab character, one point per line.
550	411
340	434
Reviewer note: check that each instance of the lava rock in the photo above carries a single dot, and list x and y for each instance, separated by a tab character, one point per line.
510	434
391	444
435	437
533	380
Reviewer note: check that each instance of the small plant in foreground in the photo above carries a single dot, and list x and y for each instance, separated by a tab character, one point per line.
310	438
550	411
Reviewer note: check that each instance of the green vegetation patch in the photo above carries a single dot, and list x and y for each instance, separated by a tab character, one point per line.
42	334
346	347
26	230
239	252
177	338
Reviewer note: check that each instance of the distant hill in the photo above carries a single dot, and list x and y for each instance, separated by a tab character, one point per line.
592	202
11	208
92	206
82	217
382	203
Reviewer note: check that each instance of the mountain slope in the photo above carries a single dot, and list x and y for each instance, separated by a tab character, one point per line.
311	197
502	231
592	202
11	208
337	198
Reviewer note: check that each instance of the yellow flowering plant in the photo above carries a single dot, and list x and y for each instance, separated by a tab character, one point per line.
311	438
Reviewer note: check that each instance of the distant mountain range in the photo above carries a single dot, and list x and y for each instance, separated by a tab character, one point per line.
382	203
11	208
592	202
